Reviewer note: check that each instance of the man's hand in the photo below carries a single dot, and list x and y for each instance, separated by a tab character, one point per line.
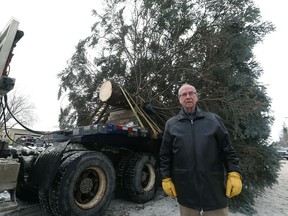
234	184
169	187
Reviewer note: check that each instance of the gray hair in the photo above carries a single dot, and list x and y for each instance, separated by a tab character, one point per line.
186	84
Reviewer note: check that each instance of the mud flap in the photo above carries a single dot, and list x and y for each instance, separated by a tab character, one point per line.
46	165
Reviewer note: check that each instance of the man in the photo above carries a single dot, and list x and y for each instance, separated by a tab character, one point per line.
195	154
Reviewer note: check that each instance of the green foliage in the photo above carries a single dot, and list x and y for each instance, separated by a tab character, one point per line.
151	47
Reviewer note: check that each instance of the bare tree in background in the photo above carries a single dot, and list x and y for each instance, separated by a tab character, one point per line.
21	108
283	139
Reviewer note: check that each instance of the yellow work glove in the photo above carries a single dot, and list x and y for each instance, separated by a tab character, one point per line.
169	187
234	184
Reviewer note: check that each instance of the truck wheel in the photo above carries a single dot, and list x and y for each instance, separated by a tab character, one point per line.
43	194
84	185
45	200
141	176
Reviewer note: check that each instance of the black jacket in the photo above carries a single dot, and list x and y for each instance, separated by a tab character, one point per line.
196	153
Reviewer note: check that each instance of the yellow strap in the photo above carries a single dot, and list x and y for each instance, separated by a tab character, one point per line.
149	121
139	110
132	108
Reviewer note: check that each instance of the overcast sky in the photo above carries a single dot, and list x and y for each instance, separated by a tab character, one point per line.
53	28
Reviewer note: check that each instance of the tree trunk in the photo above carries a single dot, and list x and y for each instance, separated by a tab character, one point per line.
112	94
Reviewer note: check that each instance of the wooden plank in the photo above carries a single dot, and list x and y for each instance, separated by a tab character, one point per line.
122	117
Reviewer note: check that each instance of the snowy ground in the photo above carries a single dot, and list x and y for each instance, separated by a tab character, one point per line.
273	203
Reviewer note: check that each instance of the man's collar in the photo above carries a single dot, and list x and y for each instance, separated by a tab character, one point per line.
190	114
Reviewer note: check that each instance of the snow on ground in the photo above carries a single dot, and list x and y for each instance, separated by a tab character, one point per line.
273	203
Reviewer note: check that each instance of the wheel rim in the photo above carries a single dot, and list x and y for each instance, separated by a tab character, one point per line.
148	177
90	187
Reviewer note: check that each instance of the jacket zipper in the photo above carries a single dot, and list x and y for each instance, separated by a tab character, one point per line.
195	156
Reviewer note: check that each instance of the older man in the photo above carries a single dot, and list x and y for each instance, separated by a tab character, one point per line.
195	155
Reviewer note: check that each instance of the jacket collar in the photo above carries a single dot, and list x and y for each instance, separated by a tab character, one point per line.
197	114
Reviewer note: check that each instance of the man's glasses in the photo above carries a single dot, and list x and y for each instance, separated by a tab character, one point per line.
190	94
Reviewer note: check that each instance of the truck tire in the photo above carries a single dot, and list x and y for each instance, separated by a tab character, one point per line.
44	200
141	177
84	185
43	194
120	167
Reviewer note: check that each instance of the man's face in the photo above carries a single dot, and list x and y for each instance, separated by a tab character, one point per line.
188	98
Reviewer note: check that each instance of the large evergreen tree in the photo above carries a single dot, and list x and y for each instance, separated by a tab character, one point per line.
151	47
